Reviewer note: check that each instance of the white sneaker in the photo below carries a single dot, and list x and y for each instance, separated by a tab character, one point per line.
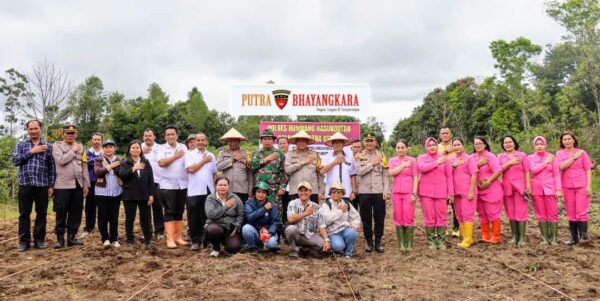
85	234
106	243
214	254
116	244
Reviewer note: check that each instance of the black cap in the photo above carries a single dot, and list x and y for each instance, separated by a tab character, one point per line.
108	142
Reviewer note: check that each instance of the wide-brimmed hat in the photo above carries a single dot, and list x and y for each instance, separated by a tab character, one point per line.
267	133
338	136
232	134
301	135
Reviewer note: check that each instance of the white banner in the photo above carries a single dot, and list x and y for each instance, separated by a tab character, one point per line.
350	99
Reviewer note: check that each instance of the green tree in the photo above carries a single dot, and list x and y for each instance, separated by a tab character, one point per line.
85	106
14	88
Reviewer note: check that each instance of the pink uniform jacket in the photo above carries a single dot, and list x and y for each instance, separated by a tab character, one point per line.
486	171
462	174
545	178
575	176
403	182
436	180
514	177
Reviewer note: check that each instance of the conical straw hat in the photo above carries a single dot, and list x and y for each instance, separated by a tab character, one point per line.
232	134
301	135
338	136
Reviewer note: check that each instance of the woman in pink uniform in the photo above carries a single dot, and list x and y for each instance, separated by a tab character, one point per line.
465	190
545	189
436	189
489	195
576	180
403	168
516	182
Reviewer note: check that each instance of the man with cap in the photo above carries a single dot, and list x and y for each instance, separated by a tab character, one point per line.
190	142
150	149
268	164
303	165
36	179
173	186
342	221
373	190
70	187
339	166
91	205
202	171
233	164
307	226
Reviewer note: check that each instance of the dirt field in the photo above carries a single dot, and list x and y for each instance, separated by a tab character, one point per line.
484	272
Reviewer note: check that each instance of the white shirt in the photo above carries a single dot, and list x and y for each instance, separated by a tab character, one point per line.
200	182
333	175
152	157
173	176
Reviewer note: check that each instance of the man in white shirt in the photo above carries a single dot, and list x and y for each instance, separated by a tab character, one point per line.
173	186
202	169
150	149
339	166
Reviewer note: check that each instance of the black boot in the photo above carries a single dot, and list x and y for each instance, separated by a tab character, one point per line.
574	237
583	236
378	247
60	242
72	241
369	245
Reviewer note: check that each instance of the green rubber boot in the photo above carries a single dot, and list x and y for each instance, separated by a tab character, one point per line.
552	231
431	238
544	230
441	238
522	230
408	237
400	236
514	230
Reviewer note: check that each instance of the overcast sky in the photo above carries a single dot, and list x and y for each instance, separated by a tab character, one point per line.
403	49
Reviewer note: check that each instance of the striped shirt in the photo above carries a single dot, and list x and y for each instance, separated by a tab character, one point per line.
34	169
112	187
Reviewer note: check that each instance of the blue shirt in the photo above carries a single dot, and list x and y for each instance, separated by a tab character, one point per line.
34	169
91	155
258	216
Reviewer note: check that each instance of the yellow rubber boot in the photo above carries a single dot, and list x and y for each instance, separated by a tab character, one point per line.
467	235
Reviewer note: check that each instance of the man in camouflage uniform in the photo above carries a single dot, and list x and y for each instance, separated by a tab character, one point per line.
268	165
373	190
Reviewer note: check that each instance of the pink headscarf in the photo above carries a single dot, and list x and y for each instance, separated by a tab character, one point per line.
539	138
427	142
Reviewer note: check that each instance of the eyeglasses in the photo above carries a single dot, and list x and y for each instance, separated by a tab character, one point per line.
336	191
70	133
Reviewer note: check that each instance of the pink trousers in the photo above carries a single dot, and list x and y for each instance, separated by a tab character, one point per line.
545	208
464	209
577	204
435	212
516	207
404	210
489	208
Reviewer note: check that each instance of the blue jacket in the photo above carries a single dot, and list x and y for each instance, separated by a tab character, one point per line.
91	157
258	216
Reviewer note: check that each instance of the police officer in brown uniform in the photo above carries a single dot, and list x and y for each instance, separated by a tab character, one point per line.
233	164
303	164
373	190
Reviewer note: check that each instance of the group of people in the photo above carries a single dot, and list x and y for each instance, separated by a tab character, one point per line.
250	201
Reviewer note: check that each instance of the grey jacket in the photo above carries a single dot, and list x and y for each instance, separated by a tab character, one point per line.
299	172
69	167
217	213
239	174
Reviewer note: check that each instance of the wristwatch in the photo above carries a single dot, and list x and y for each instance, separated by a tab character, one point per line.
327	240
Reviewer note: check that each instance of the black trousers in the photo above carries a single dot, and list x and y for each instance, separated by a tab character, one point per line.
91	204
454	219
108	217
157	214
28	195
68	205
217	235
196	217
173	201
242	196
372	209
130	211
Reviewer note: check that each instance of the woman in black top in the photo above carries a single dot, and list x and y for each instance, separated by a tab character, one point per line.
138	190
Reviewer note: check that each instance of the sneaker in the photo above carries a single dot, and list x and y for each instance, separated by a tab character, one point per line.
106	243
214	254
85	234
348	257
195	246
160	236
294	254
116	244
456	233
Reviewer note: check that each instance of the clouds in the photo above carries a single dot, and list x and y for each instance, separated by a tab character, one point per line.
403	49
